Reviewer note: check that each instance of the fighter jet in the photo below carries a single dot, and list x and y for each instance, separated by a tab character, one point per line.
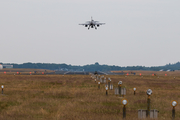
92	24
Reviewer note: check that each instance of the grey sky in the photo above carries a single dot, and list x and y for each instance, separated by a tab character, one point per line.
137	32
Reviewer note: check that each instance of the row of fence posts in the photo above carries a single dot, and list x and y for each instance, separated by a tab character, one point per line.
117	91
122	92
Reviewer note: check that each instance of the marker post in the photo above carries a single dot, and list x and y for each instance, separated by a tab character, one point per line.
106	90
173	113
124	102
109	82
105	80
2	88
148	105
123	92
111	87
173	104
98	85
134	90
149	92
119	85
97	77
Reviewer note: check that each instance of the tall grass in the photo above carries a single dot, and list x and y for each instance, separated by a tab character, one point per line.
77	97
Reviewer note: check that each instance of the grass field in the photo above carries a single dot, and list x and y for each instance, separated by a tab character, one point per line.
23	71
77	97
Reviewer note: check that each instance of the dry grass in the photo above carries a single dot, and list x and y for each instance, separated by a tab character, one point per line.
23	70
77	97
158	73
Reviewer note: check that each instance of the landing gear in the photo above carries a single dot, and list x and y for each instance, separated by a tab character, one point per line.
95	27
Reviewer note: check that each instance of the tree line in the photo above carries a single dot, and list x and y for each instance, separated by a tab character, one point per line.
93	67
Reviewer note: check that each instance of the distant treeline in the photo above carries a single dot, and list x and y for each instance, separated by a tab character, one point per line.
93	67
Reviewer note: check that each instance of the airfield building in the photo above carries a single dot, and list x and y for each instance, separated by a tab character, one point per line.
1	67
7	66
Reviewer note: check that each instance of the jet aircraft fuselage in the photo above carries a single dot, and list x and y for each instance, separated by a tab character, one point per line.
92	24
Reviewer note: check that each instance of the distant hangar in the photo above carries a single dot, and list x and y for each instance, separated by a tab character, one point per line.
5	66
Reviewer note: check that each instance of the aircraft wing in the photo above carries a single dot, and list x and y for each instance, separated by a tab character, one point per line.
87	23
84	24
100	23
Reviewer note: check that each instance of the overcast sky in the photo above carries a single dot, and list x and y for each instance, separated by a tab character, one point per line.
137	32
